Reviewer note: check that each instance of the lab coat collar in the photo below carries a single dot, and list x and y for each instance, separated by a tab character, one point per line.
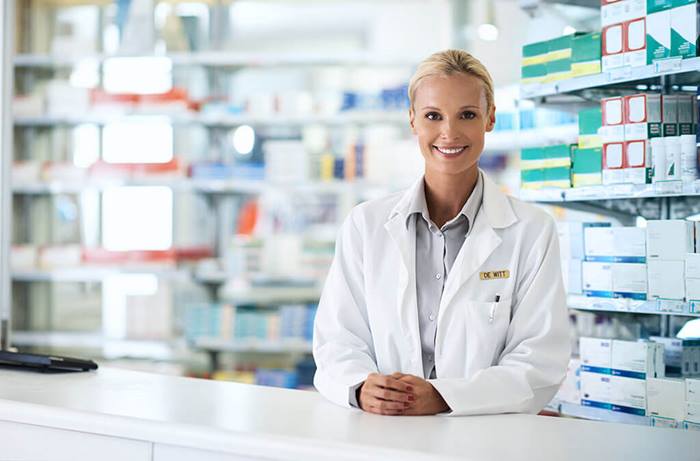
495	204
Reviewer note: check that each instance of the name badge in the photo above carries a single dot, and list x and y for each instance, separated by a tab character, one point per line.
504	274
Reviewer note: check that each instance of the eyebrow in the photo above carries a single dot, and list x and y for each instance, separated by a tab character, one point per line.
463	107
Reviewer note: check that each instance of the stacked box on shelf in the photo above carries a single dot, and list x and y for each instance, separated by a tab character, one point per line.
585	54
548	166
614	373
682	356
534	68
551	60
685	28
668	242
571	253
666	399
615	262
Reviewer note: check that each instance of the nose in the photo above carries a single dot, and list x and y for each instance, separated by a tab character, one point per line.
448	129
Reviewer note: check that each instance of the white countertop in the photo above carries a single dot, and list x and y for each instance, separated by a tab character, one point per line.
289	424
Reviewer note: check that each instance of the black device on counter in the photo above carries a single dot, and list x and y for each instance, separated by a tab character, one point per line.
41	362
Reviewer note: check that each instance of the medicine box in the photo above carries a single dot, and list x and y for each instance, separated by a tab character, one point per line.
692	289
570	235
628	395
658	36
642	116
637	162
585	54
692	265
684	30
669	114
692	390
658	5
587	166
666	398
630	280
615	244
596	278
589	123
613	46
637	359
613	118
596	354
669	239
635	36
613	163
595	389
666	279
686	115
679	354
692	413
611	12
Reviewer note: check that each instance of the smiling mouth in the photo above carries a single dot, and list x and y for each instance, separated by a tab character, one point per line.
450	151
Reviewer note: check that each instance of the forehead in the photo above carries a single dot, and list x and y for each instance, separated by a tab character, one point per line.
454	90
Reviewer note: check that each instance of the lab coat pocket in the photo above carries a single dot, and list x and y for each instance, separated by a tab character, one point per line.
486	328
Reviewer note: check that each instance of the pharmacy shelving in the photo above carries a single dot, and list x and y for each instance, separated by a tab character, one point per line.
624	75
598	414
613	191
224	59
270	295
631	306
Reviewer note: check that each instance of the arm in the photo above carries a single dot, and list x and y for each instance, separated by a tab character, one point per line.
342	340
533	362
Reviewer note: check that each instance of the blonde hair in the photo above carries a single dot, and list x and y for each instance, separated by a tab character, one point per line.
450	62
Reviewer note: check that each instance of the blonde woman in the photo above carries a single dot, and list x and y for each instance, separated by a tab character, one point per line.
446	298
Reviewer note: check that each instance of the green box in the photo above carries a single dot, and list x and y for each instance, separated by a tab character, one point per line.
531	153
684	30
586	47
658	36
588	161
558	151
534	72
557	174
535	49
590	121
654	6
528	176
677	3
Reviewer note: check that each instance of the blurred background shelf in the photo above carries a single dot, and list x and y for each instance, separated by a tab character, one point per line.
253	345
632	306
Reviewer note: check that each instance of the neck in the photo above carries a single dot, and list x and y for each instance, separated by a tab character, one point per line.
446	195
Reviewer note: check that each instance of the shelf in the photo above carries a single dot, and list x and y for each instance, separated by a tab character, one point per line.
599	414
153	349
613	191
614	77
225	59
219	120
253	345
631	306
514	140
92	274
270	295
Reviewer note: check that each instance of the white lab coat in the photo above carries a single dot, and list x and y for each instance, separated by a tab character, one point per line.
490	357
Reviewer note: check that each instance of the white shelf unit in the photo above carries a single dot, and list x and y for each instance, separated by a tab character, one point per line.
271	295
94	274
603	199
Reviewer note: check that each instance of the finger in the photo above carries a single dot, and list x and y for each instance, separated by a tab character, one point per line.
394	384
387	404
388	408
389	395
378	411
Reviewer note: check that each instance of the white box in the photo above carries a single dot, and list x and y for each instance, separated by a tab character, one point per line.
666	398
635	54
675	353
615	244
629	278
692	390
658	36
598	242
666	279
684	30
570	239
628	392
596	276
692	265
595	387
689	159
637	159
595	352
692	289
635	9
669	239
637	359
612	12
658	159
613	113
692	412
674	159
642	116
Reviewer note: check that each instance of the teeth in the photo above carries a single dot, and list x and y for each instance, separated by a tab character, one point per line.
445	150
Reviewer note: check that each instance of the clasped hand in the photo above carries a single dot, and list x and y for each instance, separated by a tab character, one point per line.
400	394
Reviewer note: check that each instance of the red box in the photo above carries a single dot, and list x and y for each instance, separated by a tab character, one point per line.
614	156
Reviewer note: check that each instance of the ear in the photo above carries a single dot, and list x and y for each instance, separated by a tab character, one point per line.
412	120
491	123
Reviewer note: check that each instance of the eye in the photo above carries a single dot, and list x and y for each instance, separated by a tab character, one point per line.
468	114
432	116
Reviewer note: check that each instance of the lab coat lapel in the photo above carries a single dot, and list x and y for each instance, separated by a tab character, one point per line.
495	213
407	303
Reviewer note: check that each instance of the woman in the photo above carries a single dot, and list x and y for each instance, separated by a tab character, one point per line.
447	298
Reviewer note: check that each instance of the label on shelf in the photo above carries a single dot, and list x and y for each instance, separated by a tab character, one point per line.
582	193
663	66
668	187
667	305
620	190
694	307
622	73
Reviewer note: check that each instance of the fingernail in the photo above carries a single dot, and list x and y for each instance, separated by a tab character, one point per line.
410	397
410	388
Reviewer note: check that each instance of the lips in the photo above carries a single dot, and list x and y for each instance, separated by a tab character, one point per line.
450	151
